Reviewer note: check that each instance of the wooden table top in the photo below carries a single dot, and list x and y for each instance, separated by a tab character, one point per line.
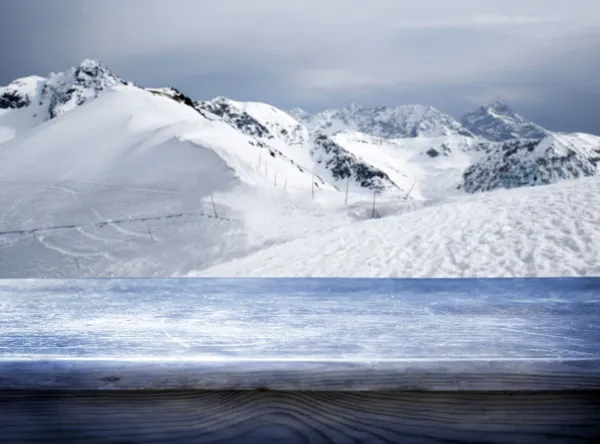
301	334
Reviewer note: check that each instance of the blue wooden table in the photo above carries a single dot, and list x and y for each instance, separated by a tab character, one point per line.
300	360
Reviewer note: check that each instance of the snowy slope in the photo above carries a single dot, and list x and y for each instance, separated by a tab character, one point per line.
122	180
425	167
541	231
31	101
132	154
258	119
174	94
521	163
391	122
499	123
106	161
270	127
285	137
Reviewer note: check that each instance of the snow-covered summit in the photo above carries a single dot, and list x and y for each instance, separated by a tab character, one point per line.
29	101
499	107
58	93
77	85
390	122
499	123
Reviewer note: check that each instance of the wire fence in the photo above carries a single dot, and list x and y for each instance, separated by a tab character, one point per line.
315	179
102	224
263	170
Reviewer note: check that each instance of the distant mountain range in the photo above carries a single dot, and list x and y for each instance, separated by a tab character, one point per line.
389	122
387	148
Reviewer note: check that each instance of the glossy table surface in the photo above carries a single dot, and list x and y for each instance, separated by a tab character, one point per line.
309	334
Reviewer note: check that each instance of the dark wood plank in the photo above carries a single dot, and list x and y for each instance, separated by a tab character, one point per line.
298	417
429	375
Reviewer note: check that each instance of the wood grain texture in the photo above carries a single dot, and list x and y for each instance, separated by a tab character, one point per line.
298	417
468	375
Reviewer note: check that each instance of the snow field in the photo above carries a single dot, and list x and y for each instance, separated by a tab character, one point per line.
541	231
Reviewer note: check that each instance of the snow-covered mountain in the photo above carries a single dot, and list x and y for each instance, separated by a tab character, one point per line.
525	153
490	148
499	123
137	183
390	122
424	167
273	133
258	120
286	137
522	162
384	148
60	92
100	177
39	99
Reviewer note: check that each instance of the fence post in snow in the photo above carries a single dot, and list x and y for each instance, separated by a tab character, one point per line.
410	191
275	180
347	186
373	212
150	233
285	184
213	205
312	184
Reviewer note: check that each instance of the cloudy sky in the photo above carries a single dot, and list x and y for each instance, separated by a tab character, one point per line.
540	56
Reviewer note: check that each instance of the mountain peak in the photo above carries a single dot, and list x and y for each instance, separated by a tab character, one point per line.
90	64
77	85
90	68
499	107
59	92
499	123
220	99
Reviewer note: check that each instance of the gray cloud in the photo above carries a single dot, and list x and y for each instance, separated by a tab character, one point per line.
539	55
